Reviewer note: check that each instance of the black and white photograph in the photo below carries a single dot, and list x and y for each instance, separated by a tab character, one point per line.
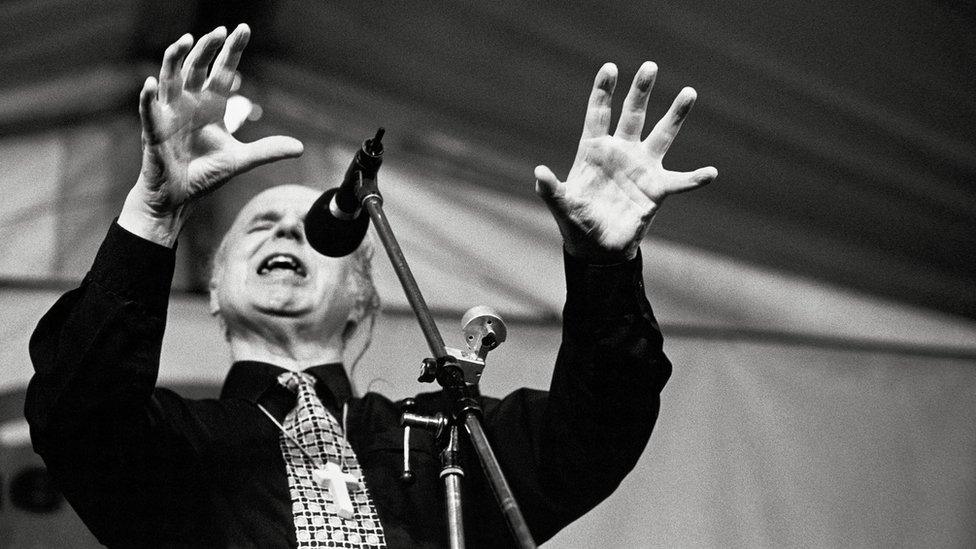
487	274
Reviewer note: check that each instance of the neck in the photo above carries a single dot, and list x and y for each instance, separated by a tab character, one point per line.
284	348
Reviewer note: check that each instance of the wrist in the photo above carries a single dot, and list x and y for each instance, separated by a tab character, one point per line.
140	218
597	255
603	243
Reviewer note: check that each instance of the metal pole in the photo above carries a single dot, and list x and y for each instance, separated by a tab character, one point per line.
451	472
369	196
374	205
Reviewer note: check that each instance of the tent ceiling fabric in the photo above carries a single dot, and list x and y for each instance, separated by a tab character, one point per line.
842	132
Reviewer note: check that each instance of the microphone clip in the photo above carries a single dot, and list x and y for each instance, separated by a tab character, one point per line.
483	330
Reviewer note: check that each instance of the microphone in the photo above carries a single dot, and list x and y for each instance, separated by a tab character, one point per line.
335	225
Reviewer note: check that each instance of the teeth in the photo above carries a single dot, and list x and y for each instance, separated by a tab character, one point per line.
282	261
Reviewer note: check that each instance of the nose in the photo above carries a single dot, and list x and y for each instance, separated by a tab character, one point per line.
291	226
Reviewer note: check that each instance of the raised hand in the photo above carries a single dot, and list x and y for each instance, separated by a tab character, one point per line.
617	182
187	151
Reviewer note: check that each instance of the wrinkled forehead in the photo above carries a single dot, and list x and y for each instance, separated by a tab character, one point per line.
282	200
270	204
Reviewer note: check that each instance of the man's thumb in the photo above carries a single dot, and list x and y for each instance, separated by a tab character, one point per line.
547	185
269	149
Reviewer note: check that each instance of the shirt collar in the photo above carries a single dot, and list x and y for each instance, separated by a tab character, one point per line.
251	380
334	378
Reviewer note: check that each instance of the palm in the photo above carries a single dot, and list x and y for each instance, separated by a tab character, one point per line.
612	214
190	148
187	150
617	181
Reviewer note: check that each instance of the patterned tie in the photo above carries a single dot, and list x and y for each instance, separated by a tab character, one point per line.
330	503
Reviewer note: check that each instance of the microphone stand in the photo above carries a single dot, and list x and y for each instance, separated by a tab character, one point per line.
454	375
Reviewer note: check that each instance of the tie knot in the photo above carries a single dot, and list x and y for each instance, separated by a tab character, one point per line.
294	381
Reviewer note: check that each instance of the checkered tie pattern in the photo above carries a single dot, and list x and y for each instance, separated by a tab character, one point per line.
317	523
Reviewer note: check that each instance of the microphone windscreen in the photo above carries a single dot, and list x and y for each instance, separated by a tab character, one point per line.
329	235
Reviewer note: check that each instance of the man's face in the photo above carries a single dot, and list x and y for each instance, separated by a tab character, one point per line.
267	272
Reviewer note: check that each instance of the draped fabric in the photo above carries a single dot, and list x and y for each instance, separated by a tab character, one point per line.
842	133
769	445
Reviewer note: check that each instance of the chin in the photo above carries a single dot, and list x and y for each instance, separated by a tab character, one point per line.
278	302
284	306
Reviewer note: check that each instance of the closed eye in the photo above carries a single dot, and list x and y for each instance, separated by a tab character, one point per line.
263	221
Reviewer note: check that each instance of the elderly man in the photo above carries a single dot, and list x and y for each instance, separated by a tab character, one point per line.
289	455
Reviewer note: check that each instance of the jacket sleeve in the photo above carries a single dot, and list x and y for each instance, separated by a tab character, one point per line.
96	419
566	450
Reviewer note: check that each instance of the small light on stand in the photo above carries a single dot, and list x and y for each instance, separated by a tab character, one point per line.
240	109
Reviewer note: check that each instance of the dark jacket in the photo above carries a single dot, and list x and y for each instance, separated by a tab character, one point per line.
144	466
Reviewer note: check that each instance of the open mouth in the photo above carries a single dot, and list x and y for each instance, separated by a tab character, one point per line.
282	262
